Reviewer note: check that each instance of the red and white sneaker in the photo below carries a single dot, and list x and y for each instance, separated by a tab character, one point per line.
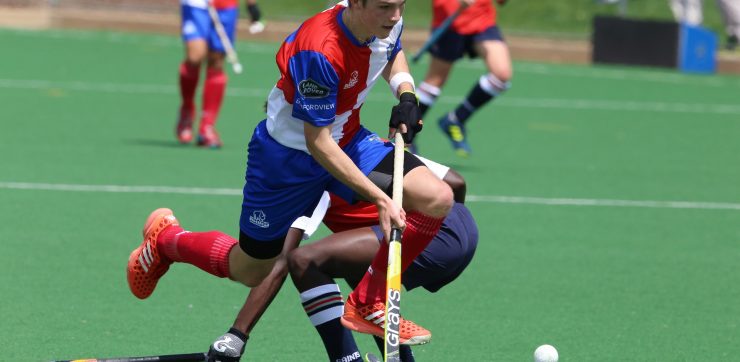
145	264
184	128
370	319
208	137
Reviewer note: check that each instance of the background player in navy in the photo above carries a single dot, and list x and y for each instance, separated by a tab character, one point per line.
475	33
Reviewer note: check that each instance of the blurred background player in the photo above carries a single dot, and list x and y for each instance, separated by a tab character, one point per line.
691	12
474	33
255	16
202	44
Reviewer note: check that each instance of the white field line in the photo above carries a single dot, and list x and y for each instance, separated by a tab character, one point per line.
205	191
549	103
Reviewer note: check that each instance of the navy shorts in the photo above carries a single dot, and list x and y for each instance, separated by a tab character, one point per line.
283	184
453	46
446	256
197	24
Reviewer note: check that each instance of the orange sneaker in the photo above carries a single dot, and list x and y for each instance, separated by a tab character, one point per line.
146	265
370	319
184	128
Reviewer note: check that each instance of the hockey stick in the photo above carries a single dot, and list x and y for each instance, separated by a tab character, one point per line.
393	276
228	47
436	34
189	357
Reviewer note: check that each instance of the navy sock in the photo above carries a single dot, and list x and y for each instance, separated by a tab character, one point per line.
254	12
405	351
475	99
324	307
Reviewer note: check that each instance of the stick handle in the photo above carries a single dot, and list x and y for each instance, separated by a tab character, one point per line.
187	357
436	34
398	151
231	56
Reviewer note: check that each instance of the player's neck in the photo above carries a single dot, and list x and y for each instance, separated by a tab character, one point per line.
352	22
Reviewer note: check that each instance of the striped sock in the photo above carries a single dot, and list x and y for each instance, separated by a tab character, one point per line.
324	307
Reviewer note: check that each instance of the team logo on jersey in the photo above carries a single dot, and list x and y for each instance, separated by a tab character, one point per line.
309	88
258	218
389	50
352	80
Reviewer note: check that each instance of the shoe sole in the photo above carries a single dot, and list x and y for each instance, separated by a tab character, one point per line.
363	327
155	223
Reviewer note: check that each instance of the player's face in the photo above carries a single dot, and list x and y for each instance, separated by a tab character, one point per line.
380	16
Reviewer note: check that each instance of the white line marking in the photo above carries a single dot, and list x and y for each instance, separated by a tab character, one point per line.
550	103
470	198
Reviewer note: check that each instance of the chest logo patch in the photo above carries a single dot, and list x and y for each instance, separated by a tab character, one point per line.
352	80
309	88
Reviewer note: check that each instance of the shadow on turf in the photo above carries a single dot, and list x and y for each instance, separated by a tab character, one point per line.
155	143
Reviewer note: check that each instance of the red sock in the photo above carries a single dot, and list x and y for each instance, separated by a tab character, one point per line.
189	75
206	250
213	94
420	229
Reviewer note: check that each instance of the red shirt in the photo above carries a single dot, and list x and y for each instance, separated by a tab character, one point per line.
225	4
476	18
342	216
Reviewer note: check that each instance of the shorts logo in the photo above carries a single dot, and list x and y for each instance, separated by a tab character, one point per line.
258	218
309	88
189	28
352	80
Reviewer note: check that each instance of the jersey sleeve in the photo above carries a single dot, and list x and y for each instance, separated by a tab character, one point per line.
316	83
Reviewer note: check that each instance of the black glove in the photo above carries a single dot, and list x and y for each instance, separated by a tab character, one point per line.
229	347
407	112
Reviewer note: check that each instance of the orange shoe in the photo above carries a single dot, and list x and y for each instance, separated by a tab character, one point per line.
184	128
146	265
370	319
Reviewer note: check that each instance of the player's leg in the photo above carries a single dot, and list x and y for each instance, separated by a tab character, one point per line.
730	10
214	87
255	16
194	31
490	46
426	200
443	54
313	267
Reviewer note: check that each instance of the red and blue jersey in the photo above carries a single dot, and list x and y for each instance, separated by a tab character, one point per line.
218	4
475	19
325	76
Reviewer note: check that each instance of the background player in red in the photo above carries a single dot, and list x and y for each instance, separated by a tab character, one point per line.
202	44
474	33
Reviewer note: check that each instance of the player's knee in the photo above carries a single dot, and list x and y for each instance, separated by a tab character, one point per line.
439	200
299	261
457	184
495	84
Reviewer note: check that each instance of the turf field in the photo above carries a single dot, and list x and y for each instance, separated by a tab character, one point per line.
607	200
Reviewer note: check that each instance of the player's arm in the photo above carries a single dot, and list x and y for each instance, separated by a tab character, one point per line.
328	154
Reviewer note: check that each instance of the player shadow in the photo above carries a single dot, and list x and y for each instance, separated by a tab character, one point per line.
150	142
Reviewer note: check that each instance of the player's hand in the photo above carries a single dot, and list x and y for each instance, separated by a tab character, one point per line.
405	117
389	216
229	347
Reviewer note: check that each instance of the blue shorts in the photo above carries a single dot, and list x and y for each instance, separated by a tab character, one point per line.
197	24
446	256
283	184
453	46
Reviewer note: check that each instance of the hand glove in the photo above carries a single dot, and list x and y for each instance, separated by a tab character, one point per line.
229	347
407	112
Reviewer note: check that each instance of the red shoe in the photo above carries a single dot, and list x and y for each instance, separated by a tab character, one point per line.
146	265
208	137
184	128
370	319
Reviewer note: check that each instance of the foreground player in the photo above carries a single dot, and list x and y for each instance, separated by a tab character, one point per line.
312	141
342	216
475	33
346	254
202	44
